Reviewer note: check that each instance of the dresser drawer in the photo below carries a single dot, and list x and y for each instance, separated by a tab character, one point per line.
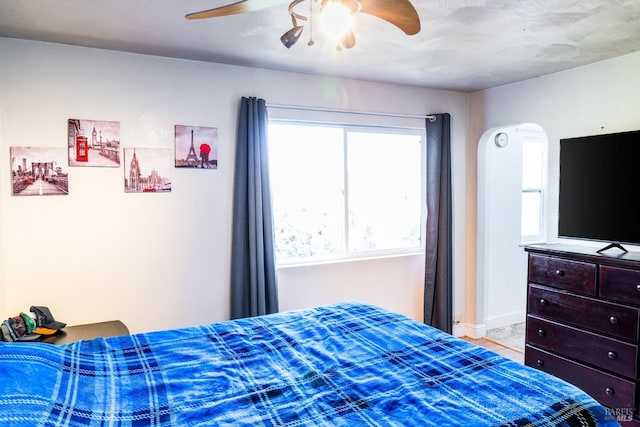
606	353
620	284
562	273
600	316
607	389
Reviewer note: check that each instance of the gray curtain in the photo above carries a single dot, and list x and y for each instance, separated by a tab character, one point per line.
254	289
438	310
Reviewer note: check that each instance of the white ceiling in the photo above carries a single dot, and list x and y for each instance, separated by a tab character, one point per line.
464	45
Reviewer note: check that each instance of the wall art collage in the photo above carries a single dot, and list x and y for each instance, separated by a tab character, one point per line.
40	171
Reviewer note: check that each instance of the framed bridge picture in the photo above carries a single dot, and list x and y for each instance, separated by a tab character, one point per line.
39	171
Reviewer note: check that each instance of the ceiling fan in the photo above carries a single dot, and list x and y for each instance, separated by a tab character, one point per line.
400	13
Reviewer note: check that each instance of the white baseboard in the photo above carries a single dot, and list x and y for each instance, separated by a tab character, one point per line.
471	331
480	330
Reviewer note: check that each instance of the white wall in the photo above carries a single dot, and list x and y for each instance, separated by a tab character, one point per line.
162	260
598	98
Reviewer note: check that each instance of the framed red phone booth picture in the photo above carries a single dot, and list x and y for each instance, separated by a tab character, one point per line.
94	143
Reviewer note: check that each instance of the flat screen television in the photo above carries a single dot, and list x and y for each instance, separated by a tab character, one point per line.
600	189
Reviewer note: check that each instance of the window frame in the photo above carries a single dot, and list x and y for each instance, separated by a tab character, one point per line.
348	254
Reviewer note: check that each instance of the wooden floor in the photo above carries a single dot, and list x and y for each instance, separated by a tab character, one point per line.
501	349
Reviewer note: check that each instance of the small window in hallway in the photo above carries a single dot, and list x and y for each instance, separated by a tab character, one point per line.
533	169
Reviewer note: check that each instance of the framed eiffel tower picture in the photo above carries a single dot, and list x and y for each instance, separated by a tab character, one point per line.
196	147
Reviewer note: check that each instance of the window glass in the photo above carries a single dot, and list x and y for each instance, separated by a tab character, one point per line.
532	165
531	210
384	185
307	185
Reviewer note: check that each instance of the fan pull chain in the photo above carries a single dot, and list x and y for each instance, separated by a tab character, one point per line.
311	41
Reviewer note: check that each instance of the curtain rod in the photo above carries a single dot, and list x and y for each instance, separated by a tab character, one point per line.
431	117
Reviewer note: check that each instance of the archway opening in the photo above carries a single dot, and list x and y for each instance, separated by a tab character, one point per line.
512	164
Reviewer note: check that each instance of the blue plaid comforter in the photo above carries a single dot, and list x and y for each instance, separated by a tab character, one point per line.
339	365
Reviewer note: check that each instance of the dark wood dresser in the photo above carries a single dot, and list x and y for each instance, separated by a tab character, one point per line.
583	316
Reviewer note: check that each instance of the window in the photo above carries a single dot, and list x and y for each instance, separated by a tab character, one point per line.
345	191
533	161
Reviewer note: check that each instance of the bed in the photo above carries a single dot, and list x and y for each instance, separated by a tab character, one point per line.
347	364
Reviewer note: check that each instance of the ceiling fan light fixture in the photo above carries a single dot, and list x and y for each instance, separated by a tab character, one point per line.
336	17
348	41
290	38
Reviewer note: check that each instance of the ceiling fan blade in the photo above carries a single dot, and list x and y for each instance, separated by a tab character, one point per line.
241	6
400	13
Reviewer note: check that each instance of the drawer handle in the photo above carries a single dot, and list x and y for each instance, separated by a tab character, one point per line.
612	355
540	362
609	391
560	272
613	320
638	287
541	332
543	302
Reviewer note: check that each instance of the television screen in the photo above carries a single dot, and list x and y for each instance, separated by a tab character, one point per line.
600	188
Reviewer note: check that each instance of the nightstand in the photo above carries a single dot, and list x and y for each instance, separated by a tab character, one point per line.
87	332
